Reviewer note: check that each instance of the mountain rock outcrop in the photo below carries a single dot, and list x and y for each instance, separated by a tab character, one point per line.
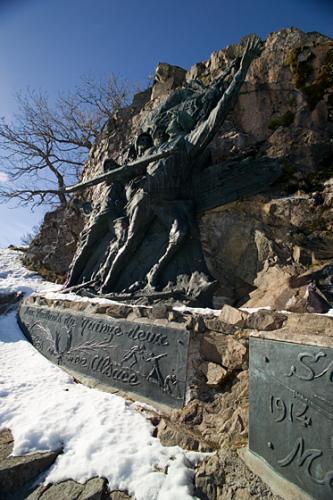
274	249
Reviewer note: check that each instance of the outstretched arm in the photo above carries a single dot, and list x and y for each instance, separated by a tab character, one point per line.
202	135
219	83
122	174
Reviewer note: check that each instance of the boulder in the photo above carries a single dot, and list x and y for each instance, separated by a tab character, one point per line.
215	374
94	489
223	350
266	320
167	78
16	472
233	316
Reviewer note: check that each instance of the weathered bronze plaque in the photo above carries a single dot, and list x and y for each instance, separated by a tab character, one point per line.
145	359
291	412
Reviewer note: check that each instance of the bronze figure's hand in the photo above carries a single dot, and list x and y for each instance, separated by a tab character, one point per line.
254	47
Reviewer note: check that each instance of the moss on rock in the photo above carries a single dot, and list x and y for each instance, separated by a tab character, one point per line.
282	121
300	62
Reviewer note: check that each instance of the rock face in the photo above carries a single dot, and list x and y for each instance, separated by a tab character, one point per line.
51	252
167	78
254	247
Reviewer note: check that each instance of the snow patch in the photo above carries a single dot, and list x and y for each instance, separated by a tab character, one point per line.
251	310
100	434
72	297
206	311
16	278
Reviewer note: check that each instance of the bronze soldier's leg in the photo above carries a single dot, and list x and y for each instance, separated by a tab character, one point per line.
180	226
120	229
94	234
140	220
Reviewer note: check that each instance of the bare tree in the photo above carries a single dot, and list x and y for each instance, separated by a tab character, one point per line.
46	145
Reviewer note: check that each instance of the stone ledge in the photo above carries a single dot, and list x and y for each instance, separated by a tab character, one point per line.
279	486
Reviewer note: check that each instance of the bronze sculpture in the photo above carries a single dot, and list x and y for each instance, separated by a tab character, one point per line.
155	247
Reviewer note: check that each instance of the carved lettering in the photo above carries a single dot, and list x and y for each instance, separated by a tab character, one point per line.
294	410
309	368
150	359
78	360
305	459
113	370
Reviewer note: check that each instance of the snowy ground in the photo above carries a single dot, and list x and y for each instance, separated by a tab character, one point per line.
101	434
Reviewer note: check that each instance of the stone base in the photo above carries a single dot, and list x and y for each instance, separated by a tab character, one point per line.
144	358
291	408
279	486
213	413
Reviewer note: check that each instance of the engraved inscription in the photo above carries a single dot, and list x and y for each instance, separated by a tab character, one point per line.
310	367
306	459
293	410
113	370
144	358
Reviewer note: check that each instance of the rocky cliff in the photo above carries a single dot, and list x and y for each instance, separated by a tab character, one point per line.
275	248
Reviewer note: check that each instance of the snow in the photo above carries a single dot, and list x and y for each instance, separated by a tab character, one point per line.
205	311
268	308
101	434
252	310
77	298
14	277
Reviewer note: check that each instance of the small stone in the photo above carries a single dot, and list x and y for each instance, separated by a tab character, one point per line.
171	435
223	350
65	489
266	320
119	495
216	325
192	414
118	310
175	316
94	489
196	323
302	255
233	316
216	374
158	311
137	312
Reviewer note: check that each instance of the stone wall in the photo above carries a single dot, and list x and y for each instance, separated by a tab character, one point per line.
215	415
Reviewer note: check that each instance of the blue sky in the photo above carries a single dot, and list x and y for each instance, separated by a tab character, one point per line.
49	44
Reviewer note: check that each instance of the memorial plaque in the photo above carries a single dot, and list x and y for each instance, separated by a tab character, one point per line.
291	412
145	359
